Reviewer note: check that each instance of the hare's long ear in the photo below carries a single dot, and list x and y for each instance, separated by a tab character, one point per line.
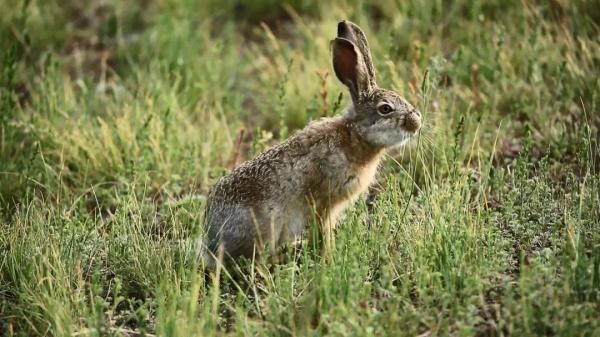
353	33
349	67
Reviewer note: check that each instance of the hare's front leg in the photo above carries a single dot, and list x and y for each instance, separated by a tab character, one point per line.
321	232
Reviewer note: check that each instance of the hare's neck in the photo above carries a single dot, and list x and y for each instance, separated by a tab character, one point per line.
359	150
361	153
363	160
349	112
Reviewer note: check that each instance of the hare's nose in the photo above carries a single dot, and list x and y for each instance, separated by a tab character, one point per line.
412	121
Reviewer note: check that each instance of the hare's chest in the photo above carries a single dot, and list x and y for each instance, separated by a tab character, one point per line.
359	178
357	181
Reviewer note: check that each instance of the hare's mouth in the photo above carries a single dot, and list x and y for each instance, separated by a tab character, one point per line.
395	139
393	132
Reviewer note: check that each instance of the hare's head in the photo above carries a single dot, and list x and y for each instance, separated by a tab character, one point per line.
381	116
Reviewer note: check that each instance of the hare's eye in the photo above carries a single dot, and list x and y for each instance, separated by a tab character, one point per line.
384	109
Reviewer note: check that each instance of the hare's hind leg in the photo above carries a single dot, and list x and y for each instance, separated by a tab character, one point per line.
232	229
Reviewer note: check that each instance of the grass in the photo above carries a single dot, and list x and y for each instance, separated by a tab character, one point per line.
117	117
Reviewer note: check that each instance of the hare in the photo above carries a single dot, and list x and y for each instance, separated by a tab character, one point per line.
316	173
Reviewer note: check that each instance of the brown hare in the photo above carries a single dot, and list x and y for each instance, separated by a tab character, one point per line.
318	171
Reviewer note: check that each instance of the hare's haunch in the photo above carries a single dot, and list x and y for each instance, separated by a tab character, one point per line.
317	172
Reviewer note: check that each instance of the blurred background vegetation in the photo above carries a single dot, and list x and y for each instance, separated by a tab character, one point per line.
117	116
